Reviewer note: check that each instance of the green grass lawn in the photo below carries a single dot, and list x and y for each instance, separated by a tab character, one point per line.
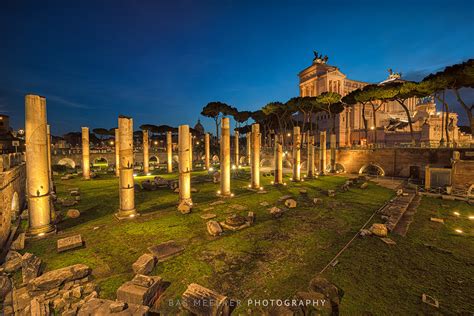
273	258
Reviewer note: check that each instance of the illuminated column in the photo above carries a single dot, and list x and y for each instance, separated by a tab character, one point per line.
184	165
348	127
311	157
278	161
146	168
50	171
169	151
190	152
126	183
86	172
255	157
322	153
236	145
296	154
225	157
117	153
207	151
332	145
249	147
39	204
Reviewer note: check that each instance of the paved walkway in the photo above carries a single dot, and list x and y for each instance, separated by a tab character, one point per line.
404	223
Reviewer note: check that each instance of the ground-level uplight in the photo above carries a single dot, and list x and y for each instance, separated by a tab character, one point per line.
456	213
459	231
471	217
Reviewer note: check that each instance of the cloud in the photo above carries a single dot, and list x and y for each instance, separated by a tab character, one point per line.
66	103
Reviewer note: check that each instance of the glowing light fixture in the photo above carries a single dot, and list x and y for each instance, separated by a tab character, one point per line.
456	213
459	231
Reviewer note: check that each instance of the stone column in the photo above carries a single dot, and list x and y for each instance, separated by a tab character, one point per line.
332	146
296	154
255	157
207	151
427	178
278	161
310	163
169	151
117	151
236	148
225	157
249	147
348	127
146	165
86	171
38	187
322	152
190	152
50	170
126	183
184	165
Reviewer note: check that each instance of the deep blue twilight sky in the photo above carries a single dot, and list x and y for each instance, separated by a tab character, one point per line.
161	61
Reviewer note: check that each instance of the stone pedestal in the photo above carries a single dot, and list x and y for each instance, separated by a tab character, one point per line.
86	172
255	157
296	154
249	147
225	157
126	182
236	149
38	183
169	152
207	151
117	151
332	146
184	165
146	159
278	162
311	161
322	152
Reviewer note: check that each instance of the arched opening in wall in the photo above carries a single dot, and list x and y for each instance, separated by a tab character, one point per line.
215	159
176	158
338	169
243	160
101	162
372	169
154	161
64	164
287	164
15	206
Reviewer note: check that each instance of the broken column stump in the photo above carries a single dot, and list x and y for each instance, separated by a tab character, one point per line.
204	302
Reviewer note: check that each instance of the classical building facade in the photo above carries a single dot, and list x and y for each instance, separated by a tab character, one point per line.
390	126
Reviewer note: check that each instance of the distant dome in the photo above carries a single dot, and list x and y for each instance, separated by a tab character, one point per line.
198	127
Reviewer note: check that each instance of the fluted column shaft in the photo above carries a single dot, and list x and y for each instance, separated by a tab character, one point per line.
236	149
